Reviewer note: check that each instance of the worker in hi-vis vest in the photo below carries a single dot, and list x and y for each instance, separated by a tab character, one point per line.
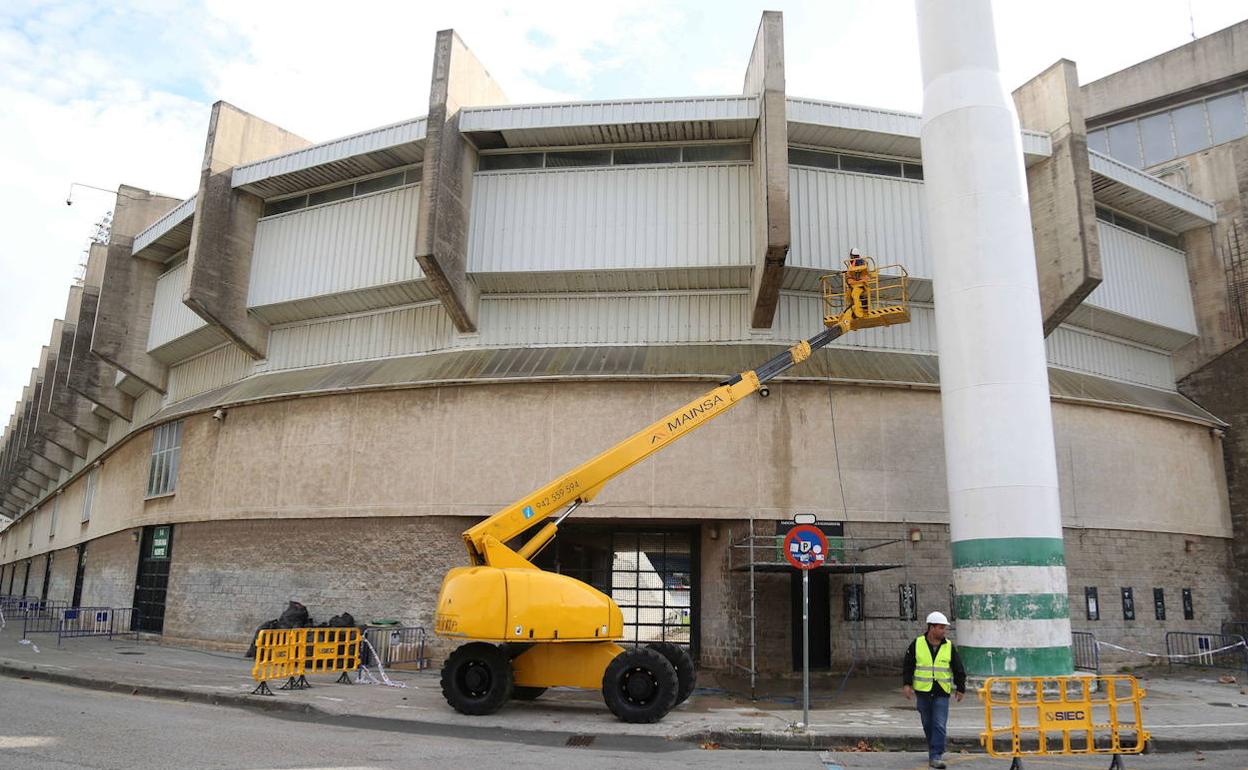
931	672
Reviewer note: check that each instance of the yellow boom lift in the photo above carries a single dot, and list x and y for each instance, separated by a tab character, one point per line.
534	629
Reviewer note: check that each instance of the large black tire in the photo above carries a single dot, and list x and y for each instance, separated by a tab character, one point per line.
686	672
640	685
477	679
527	693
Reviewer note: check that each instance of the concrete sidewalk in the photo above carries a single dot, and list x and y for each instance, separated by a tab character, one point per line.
1184	710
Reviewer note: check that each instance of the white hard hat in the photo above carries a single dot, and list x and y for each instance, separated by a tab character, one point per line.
937	618
854	253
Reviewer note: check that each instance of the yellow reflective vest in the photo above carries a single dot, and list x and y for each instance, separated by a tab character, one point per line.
927	671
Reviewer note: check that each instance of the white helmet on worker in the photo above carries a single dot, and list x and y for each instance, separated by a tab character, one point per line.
937	619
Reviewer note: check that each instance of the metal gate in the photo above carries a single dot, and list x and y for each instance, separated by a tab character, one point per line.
152	579
651	574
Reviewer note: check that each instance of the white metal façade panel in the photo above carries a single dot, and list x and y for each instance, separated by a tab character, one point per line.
832	212
403	331
1081	351
210	370
612	218
339	247
170	318
1143	279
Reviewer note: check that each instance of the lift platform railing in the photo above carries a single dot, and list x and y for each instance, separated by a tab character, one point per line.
883	301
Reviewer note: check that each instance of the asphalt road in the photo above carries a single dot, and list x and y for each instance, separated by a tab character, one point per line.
61	728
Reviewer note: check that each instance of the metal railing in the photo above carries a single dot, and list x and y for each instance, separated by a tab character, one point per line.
396	644
1087	653
72	622
1188	648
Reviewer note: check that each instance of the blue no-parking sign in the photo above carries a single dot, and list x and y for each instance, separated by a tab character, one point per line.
806	547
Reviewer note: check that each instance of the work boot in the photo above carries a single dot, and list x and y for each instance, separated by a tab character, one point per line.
937	763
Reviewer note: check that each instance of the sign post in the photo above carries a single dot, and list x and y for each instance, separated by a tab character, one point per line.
806	548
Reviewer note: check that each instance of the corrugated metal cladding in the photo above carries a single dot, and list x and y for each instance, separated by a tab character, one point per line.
614	218
210	370
1143	279
174	217
832	212
870	129
1146	196
145	406
506	117
374	141
339	247
1081	351
405	331
170	318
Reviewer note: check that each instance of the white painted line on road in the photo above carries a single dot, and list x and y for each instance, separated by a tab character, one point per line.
1212	724
25	741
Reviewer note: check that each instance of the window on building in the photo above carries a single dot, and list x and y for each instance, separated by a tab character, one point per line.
162	474
1159	603
511	161
379	183
331	195
645	155
1190	131
864	165
576	158
800	157
88	498
1189	608
1098	141
343	192
1155	139
1128	604
1226	117
913	170
56	506
908	601
1124	143
854	598
1139	228
708	153
1091	603
30	531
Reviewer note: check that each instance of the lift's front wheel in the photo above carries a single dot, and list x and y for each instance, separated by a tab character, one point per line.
640	685
477	679
686	672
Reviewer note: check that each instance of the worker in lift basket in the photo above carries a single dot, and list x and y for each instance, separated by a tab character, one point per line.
931	672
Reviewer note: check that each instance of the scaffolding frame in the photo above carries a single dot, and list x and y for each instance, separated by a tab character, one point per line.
755	553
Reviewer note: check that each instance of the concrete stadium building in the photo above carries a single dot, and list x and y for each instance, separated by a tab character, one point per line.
307	379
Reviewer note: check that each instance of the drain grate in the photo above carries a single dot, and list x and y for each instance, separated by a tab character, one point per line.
580	741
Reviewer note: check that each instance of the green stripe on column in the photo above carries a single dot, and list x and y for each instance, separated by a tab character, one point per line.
1017	661
1009	552
1012	606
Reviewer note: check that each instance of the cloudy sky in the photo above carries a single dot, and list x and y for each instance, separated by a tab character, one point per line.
105	93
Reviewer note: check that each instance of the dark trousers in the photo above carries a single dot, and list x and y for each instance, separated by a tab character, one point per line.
934	711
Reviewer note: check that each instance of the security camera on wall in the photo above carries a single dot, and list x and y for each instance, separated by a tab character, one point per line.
219	415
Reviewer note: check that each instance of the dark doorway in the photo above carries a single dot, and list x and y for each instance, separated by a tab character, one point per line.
651	574
820	620
152	580
47	576
79	572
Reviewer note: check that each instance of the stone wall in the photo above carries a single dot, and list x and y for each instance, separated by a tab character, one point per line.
226	578
112	563
64	568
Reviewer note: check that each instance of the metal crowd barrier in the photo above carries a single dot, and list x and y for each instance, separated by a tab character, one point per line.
98	621
1087	653
1188	648
1062	716
401	645
293	653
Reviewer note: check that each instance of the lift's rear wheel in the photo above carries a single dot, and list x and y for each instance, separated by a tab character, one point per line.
527	693
686	673
477	679
640	685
